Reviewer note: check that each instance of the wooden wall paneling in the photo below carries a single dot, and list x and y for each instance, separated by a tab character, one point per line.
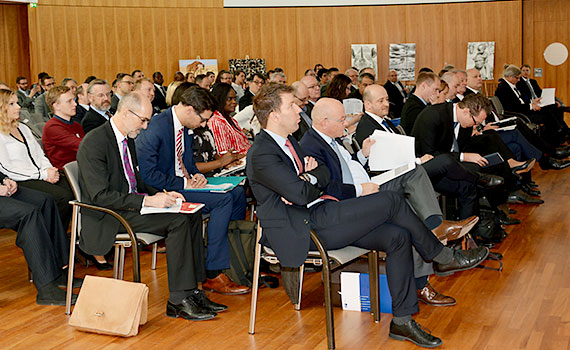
423	27
313	38
14	45
528	32
157	49
386	25
278	39
135	3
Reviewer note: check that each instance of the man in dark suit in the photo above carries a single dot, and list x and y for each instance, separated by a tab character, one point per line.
159	91
254	85
82	102
40	106
364	79
447	175
301	94
397	94
166	161
99	95
124	85
288	187
25	96
33	214
349	178
427	88
314	92
109	177
512	101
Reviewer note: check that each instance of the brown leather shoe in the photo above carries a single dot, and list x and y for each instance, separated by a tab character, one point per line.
431	296
451	230
224	285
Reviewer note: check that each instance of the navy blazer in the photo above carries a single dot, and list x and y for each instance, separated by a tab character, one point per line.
156	154
525	91
410	113
315	146
433	130
272	175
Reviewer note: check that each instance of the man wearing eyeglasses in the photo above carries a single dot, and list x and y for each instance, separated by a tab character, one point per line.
125	84
254	85
314	91
301	94
40	106
166	161
99	95
109	177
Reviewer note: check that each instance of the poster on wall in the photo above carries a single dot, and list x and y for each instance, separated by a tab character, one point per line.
198	66
403	61
481	55
249	66
364	56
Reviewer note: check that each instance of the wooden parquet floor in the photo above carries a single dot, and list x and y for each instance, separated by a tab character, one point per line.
526	306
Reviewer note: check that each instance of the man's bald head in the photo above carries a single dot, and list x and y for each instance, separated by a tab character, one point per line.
452	81
474	80
376	100
133	114
314	88
301	94
328	117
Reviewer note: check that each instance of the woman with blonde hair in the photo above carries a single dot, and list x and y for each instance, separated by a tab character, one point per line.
23	160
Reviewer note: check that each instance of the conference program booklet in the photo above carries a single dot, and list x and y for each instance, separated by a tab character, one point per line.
219	184
179	208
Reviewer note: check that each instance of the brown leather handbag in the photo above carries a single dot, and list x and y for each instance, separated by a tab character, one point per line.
110	306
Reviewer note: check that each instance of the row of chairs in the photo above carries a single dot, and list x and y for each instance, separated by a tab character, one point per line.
329	260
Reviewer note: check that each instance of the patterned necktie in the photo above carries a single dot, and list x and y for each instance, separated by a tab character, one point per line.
179	153
346	175
295	156
108	114
131	178
455	143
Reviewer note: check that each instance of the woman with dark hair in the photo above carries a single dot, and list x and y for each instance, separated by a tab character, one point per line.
227	134
339	87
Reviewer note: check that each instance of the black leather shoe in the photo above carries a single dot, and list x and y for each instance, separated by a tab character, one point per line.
507	220
532	184
531	192
202	300
62	281
554	164
189	310
561	153
524	167
413	331
489	181
462	260
521	197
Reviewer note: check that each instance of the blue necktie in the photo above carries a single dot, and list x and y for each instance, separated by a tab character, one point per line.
346	175
455	144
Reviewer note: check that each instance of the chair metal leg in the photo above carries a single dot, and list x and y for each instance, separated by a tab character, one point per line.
327	287
122	261
30	277
154	251
374	285
255	285
116	262
301	273
71	265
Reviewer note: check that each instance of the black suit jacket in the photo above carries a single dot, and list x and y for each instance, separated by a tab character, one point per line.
509	99
433	130
395	97
114	103
468	92
246	99
410	112
92	120
272	175
103	183
525	91
367	125
159	99
79	113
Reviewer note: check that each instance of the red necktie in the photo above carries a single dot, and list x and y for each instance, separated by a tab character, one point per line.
179	153
295	156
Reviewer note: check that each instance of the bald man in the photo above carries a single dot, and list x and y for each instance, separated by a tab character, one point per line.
301	94
289	186
109	177
397	93
453	83
314	91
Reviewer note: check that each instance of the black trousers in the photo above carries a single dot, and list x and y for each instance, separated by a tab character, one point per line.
380	221
34	215
184	245
449	177
60	191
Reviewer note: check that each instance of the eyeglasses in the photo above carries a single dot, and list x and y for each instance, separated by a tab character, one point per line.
128	82
143	120
202	119
258	82
304	100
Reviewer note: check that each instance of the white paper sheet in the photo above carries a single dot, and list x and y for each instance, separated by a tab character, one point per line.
391	151
352	106
547	97
394	173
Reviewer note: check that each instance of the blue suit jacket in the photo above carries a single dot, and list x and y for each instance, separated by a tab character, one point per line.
155	152
314	146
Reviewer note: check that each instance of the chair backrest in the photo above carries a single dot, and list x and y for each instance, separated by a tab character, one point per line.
72	172
497	105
